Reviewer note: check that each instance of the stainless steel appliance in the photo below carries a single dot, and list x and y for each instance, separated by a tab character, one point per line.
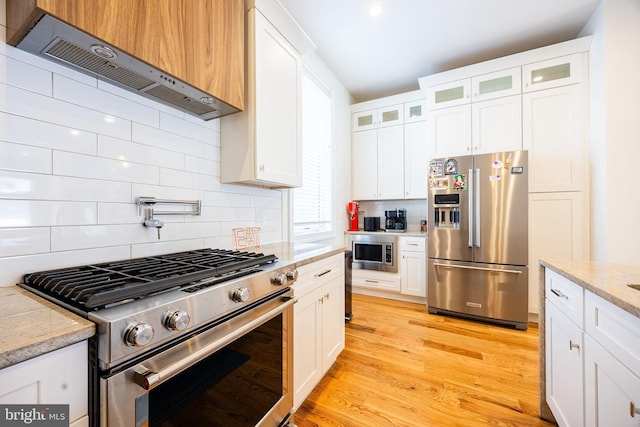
478	244
395	220
200	337
374	252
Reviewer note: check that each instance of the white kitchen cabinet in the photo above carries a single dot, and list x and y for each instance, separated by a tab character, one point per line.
378	163
449	94
379	117
561	71
449	131
612	364
318	317
413	266
495	85
554	133
262	145
375	280
58	377
558	229
612	393
496	125
415	160
415	111
564	362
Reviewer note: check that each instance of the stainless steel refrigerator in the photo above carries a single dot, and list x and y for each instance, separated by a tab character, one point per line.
478	243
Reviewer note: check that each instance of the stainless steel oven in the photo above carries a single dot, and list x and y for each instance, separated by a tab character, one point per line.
196	338
235	373
376	251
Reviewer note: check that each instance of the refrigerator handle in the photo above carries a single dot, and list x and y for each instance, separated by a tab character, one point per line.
476	187
470	213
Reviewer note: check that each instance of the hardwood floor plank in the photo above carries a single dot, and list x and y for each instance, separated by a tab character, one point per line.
405	367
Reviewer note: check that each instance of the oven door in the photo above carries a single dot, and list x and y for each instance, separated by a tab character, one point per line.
237	373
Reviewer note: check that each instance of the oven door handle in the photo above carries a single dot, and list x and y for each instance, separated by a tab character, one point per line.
148	379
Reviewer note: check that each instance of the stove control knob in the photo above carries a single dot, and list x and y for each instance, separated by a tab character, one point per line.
240	295
279	279
138	335
177	320
292	274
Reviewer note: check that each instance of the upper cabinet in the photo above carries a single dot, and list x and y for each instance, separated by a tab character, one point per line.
496	85
262	145
389	148
552	73
449	94
193	50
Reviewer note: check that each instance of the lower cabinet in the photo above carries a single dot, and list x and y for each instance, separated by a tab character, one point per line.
592	357
58	377
318	317
413	266
564	376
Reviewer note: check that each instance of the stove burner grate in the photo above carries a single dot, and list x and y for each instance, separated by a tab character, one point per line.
92	287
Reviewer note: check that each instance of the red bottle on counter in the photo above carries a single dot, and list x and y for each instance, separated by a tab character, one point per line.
352	209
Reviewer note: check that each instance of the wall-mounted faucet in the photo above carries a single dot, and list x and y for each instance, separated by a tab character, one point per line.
150	221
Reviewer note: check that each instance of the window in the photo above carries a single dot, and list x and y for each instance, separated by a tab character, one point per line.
312	204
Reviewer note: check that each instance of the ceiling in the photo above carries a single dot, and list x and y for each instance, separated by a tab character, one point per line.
376	56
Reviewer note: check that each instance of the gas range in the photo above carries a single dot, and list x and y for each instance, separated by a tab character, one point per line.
142	304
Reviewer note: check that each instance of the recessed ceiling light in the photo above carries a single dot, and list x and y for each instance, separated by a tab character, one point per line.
375	10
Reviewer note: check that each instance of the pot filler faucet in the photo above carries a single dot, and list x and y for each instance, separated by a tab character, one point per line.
150	202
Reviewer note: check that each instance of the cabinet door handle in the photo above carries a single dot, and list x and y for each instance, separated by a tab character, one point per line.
323	273
326	296
371	281
573	345
559	294
633	410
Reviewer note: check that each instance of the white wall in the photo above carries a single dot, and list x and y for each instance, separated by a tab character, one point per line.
75	154
614	67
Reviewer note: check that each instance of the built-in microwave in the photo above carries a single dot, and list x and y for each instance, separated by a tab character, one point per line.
374	252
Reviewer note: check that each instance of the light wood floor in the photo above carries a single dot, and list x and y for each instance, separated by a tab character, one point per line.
404	367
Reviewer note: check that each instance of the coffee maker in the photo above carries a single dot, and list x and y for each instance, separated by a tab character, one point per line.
395	220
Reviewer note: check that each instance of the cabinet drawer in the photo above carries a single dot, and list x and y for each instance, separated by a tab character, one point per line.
311	276
566	295
376	280
415	244
615	329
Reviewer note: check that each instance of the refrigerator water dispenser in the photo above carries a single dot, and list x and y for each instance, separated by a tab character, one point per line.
446	210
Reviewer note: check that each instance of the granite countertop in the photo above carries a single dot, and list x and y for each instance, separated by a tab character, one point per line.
32	326
408	233
301	253
607	280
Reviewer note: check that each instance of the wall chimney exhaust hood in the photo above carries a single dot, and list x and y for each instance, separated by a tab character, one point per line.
62	43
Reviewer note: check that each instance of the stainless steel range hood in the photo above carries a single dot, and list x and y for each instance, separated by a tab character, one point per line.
62	43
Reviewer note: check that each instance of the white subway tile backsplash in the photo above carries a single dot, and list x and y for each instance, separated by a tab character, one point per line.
76	153
26	76
19	185
39	213
13	268
174	178
201	131
166	140
25	158
20	241
202	166
78	93
158	248
114	148
25	103
81	165
46	135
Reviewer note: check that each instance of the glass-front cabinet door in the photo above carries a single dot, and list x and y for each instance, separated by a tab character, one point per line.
555	72
496	85
449	94
391	115
415	111
363	120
